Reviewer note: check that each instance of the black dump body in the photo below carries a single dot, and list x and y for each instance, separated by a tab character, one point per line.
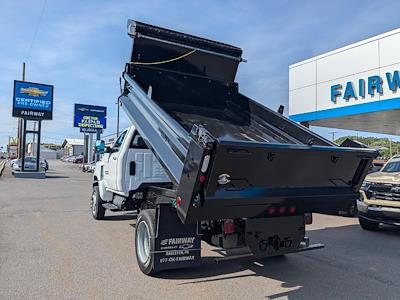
269	160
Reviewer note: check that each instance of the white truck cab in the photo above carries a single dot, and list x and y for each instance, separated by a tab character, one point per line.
125	169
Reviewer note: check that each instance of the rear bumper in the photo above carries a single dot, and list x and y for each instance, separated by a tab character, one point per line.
381	214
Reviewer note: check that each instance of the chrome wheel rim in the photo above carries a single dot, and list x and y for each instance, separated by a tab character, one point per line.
143	242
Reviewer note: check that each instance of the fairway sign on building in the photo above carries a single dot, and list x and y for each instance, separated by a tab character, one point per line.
356	87
32	101
90	117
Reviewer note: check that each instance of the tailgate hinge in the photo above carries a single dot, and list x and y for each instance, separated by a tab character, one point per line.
202	136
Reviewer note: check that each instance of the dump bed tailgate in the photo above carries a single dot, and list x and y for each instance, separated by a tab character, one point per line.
256	176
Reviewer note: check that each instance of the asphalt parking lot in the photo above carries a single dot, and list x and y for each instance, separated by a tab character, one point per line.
50	247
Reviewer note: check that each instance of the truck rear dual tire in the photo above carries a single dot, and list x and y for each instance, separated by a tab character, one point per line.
145	240
368	225
96	204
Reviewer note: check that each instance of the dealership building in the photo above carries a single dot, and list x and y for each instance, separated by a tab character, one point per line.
356	87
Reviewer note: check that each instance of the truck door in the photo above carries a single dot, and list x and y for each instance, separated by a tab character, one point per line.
110	167
143	165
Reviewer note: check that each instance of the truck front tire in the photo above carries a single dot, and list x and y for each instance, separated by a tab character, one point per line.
367	224
145	240
96	204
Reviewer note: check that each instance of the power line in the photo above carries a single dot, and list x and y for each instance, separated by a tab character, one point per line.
37	28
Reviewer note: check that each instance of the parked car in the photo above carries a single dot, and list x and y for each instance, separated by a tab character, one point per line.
30	164
376	167
13	161
380	197
45	164
89	167
79	159
71	158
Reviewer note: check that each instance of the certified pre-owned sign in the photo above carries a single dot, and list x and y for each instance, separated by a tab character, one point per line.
32	100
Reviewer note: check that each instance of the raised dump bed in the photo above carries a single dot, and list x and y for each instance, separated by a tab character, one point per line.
228	155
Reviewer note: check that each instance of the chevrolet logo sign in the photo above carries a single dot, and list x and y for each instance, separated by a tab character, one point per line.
83	109
32	91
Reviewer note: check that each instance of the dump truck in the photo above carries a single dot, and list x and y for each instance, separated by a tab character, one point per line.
203	162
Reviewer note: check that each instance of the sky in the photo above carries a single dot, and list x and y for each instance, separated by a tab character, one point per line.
81	47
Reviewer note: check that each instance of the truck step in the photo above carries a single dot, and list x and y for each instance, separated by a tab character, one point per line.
110	206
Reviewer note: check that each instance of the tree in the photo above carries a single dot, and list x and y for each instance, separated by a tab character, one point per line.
381	144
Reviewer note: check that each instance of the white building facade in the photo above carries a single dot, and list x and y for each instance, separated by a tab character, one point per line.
356	87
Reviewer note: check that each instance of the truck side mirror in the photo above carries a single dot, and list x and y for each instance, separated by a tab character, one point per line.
100	146
108	150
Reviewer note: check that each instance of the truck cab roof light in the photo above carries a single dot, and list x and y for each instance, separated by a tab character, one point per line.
292	210
282	210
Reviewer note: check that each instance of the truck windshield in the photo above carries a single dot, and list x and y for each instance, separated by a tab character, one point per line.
392	167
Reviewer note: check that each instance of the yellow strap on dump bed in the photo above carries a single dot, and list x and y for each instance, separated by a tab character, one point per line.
163	61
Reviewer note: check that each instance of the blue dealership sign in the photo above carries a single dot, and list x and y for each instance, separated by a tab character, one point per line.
33	100
83	121
90	116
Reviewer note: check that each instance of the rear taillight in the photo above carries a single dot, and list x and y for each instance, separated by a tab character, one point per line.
202	178
271	210
308	218
229	226
178	201
282	210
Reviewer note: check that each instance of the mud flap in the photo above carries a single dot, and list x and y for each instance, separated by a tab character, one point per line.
274	236
177	245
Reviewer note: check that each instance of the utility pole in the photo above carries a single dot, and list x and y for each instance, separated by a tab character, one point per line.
333	135
8	146
20	125
390	147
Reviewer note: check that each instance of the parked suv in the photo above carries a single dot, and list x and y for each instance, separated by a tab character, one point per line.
380	197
